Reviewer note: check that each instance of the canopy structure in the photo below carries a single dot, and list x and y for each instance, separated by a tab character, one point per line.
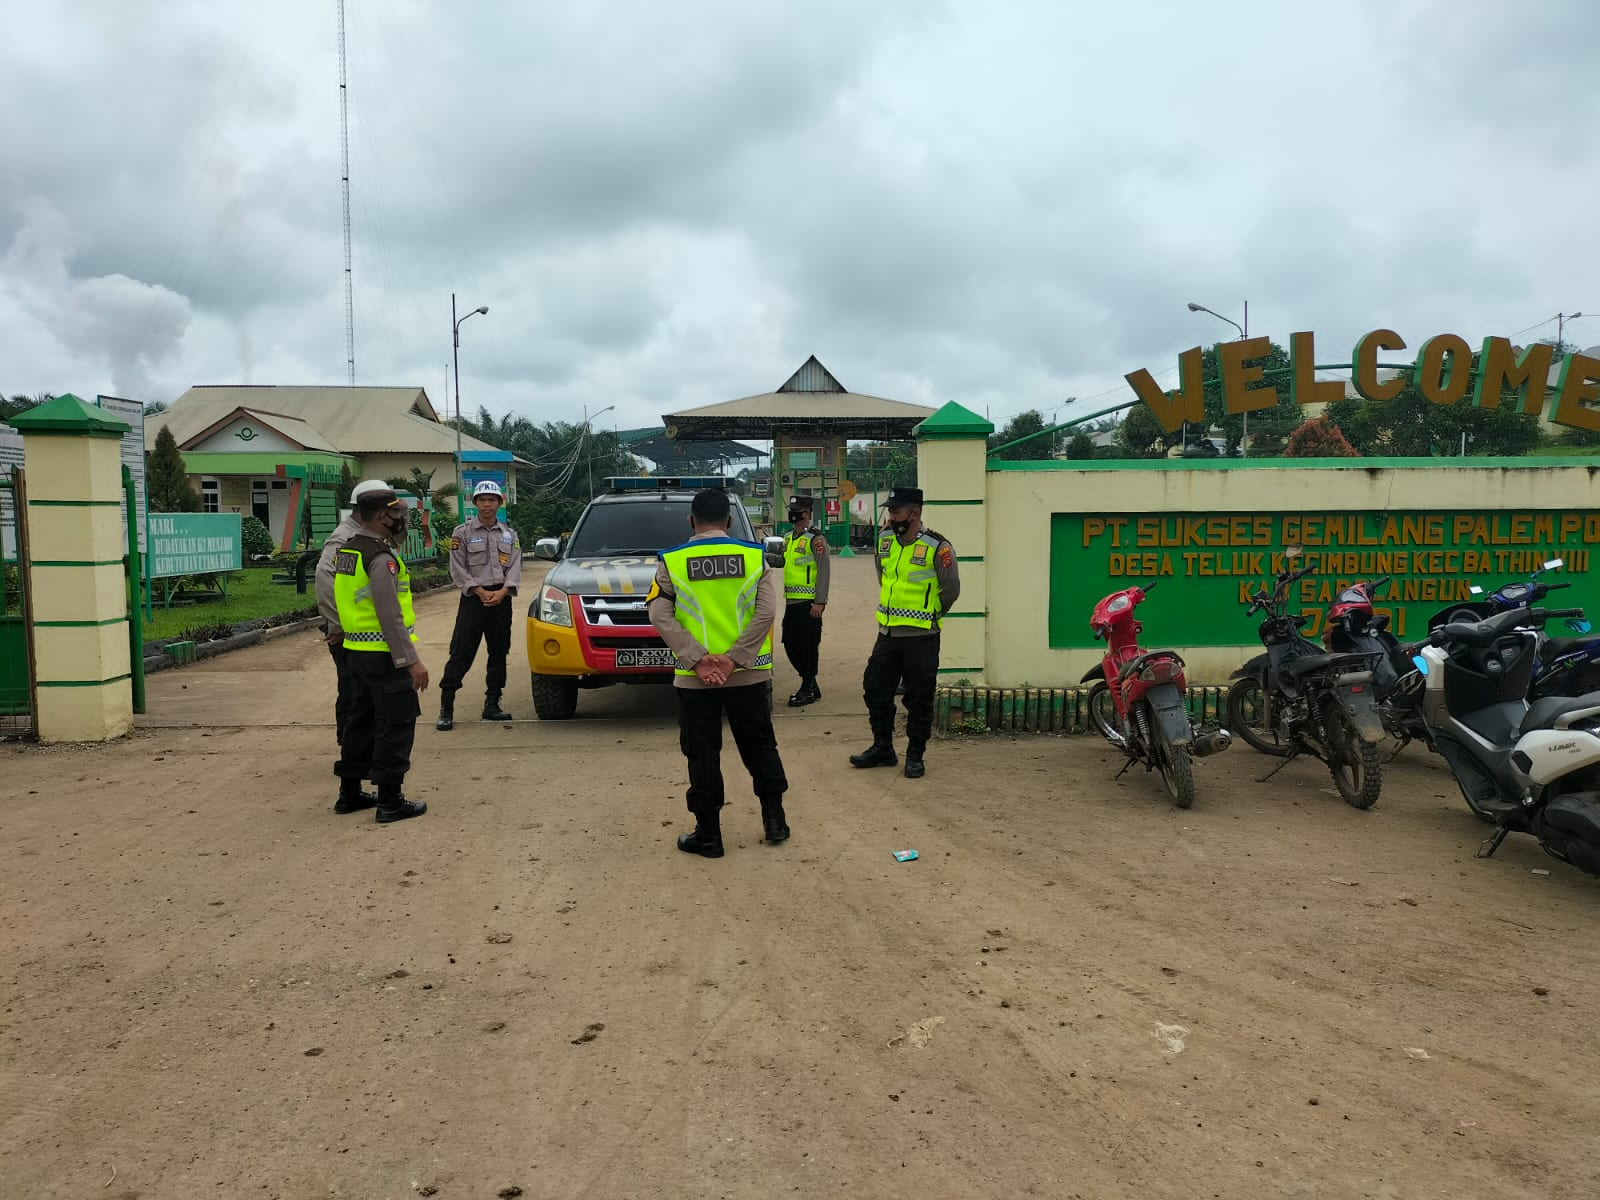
676	457
812	404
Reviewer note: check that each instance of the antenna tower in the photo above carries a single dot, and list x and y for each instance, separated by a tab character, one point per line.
344	146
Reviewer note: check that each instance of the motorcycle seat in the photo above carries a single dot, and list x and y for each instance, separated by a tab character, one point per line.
1135	664
1307	664
1556	647
1548	712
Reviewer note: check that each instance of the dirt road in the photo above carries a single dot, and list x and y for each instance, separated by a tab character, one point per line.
215	987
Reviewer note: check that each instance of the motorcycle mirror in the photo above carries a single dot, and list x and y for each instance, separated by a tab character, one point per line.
1555	564
1292	552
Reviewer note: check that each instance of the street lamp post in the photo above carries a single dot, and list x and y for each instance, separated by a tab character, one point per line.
455	350
586	440
1244	333
1561	323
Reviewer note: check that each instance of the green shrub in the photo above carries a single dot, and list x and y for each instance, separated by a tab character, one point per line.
257	538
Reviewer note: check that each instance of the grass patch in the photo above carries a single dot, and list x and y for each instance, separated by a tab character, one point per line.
252	596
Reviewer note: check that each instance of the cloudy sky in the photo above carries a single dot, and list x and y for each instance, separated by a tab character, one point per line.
1001	202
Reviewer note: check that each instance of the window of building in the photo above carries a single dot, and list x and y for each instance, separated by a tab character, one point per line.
211	495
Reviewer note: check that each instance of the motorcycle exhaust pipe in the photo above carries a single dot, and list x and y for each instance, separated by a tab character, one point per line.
1213	742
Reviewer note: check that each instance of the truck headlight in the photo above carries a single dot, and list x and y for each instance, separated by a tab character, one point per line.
554	607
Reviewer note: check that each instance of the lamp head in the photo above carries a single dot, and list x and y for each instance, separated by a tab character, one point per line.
1193	307
482	308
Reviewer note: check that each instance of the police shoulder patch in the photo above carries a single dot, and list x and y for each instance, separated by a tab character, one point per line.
394	567
819	544
655	590
947	555
455	541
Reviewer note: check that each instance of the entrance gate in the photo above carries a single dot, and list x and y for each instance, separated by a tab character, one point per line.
16	628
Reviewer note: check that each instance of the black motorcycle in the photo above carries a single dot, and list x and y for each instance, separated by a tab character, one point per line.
1296	699
1353	627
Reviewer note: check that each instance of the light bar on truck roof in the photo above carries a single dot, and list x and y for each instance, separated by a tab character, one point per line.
665	483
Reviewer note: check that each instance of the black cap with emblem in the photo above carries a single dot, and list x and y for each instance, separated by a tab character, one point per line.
900	497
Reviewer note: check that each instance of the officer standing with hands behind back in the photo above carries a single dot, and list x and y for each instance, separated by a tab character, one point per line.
805	595
714	602
918	584
486	564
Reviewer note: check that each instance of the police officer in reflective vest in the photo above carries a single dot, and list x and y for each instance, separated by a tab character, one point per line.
372	589
805	595
917	585
714	603
486	564
329	609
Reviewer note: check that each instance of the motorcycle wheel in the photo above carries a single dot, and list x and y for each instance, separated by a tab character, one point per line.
1246	708
1352	762
1102	713
1177	772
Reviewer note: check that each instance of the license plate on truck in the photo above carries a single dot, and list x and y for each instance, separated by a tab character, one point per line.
646	658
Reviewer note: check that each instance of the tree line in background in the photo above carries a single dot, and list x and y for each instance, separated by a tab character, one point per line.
569	464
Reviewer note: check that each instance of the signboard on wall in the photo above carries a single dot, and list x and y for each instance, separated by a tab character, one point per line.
10	456
1207	565
194	544
131	411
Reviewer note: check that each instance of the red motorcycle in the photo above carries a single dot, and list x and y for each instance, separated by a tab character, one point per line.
1136	699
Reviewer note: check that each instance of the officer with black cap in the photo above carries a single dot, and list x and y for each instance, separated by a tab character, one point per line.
805	595
918	583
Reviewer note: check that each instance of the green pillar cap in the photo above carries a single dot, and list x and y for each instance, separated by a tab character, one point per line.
68	414
953	421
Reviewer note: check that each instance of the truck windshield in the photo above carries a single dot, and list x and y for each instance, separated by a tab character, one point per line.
640	528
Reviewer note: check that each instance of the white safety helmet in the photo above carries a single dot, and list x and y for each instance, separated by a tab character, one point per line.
368	485
488	487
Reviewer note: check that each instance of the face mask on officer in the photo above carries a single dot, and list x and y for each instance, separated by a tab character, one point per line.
797	516
901	527
397	524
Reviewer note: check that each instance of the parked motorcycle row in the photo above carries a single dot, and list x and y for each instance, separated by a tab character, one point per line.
1514	713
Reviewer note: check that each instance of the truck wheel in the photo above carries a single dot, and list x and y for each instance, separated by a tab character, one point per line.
555	698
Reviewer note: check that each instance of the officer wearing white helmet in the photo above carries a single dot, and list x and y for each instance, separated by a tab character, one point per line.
351	797
486	564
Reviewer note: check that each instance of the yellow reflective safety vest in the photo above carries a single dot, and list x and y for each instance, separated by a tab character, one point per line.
908	592
799	568
352	592
716	581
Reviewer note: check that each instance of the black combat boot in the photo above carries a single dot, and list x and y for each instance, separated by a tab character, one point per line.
706	840
393	806
879	754
809	693
492	710
914	767
774	825
447	713
352	798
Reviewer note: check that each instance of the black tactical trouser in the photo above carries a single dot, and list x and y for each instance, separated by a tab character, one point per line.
915	660
381	724
802	638
341	701
749	712
477	622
